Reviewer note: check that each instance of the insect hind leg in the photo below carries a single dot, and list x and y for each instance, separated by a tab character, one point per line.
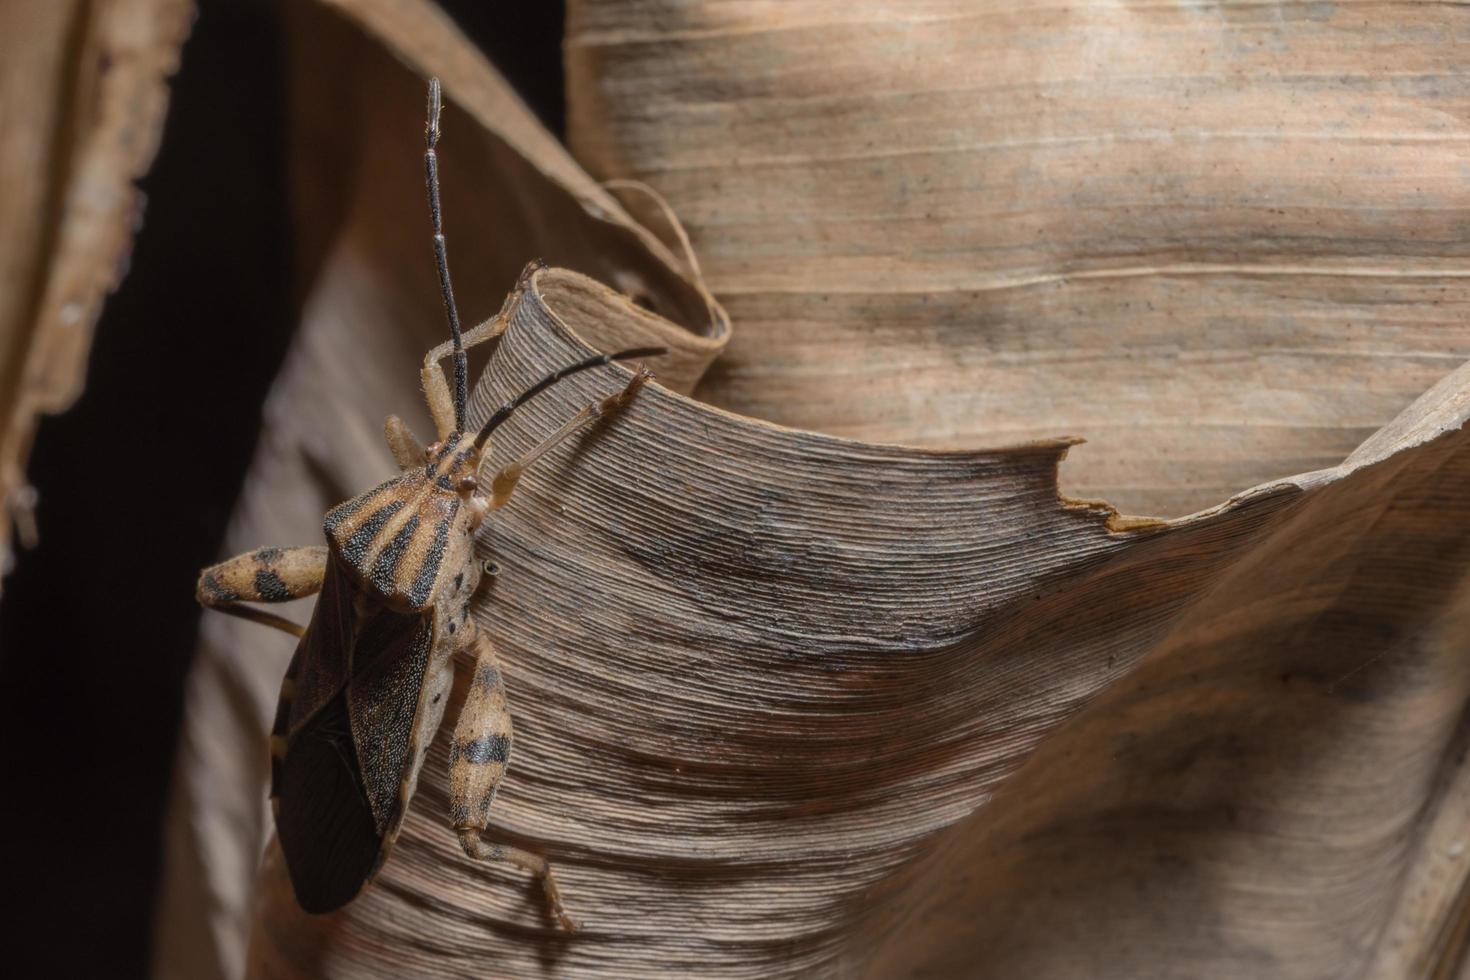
263	575
478	757
537	865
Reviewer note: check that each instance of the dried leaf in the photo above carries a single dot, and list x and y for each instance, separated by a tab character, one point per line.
1225	244
85	91
792	704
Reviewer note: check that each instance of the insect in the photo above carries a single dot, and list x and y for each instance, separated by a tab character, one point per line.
367	688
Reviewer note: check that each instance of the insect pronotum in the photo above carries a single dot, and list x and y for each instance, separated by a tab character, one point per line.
368	686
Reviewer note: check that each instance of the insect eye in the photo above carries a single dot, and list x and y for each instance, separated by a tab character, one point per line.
491	567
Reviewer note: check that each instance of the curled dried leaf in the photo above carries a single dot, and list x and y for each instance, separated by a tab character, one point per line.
84	88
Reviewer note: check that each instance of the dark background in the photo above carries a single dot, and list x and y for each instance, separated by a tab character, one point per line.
137	483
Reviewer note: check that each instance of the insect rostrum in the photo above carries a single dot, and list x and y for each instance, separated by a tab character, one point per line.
369	683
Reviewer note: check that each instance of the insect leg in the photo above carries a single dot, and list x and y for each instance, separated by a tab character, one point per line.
263	575
505	481
408	452
478	757
436	386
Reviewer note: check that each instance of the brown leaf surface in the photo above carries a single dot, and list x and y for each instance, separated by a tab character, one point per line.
1225	243
82	95
792	704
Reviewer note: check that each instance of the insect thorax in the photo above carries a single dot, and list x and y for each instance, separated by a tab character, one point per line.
405	538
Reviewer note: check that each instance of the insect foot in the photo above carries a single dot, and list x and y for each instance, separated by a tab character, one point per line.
478	849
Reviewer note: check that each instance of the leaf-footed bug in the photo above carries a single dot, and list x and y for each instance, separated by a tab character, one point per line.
368	685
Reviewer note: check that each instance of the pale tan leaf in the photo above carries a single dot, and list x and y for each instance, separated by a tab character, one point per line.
1224	243
84	92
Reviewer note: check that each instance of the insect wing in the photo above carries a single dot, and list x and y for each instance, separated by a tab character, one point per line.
390	659
336	794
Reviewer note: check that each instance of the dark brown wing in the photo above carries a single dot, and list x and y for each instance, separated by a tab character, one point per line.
390	659
357	677
323	821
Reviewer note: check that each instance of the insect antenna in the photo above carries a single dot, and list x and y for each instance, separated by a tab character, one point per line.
441	256
504	412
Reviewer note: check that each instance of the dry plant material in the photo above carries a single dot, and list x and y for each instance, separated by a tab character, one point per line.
84	91
796	704
1225	243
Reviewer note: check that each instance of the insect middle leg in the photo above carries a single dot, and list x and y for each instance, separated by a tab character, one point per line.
478	758
263	575
504	482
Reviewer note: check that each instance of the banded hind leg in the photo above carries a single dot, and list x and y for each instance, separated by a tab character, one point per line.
263	575
478	758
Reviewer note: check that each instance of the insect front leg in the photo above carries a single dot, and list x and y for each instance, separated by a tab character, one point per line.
407	451
477	760
436	385
504	483
263	575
